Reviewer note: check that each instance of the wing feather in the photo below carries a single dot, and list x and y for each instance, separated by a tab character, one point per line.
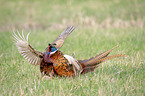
60	39
74	62
26	50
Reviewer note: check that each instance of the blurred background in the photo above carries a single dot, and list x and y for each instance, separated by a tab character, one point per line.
57	14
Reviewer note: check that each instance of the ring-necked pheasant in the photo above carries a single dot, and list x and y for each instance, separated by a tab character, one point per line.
53	62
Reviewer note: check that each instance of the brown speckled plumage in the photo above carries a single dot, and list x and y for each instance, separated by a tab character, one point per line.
61	64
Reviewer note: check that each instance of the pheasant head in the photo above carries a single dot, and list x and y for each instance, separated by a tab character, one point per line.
51	49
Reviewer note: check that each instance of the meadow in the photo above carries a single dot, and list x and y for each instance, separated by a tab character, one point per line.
100	25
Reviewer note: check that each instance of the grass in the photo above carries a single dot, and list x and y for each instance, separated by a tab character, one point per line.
101	25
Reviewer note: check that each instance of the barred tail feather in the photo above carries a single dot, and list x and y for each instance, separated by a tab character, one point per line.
97	61
93	64
102	55
94	61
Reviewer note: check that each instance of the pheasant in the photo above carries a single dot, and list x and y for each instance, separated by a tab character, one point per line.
53	62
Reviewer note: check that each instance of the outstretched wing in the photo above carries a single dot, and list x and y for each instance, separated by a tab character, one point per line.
60	39
26	50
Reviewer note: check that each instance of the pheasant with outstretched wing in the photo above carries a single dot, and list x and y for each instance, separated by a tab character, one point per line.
53	62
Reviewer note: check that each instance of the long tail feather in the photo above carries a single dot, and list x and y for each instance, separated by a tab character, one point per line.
94	63
102	55
105	53
97	61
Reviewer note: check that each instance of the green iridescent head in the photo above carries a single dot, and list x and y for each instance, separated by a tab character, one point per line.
51	49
